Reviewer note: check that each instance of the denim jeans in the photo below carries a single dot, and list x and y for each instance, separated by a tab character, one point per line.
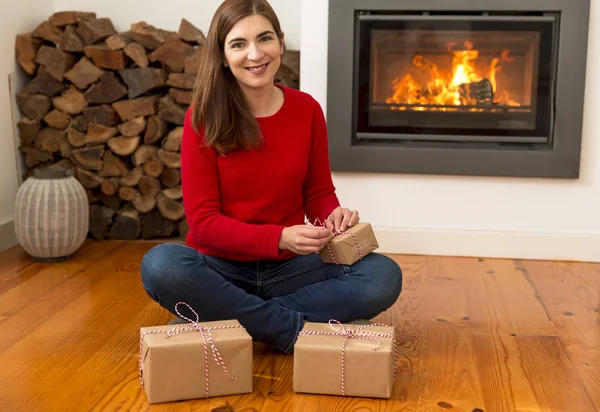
271	299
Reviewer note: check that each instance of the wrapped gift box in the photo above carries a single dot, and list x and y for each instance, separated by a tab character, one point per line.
173	368
344	248
366	372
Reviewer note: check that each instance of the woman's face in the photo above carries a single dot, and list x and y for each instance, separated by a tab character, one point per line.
253	52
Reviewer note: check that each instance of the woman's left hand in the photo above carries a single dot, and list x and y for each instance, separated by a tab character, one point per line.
341	218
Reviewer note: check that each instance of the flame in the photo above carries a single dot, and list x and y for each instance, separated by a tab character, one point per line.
449	89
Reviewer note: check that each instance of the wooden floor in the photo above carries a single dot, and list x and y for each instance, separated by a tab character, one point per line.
474	335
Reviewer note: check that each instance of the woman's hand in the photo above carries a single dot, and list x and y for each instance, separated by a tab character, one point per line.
304	239
341	219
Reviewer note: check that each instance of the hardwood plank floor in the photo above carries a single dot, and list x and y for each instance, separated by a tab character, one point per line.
474	335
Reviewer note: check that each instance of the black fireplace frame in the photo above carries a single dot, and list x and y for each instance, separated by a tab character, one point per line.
558	158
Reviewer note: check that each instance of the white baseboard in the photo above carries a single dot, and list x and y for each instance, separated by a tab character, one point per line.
8	238
512	245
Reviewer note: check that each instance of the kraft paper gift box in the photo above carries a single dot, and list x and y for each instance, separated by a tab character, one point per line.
366	372
173	368
344	249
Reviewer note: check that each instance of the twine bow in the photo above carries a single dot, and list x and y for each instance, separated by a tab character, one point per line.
336	233
358	333
206	334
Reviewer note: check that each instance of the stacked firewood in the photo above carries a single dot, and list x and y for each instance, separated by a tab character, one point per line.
110	106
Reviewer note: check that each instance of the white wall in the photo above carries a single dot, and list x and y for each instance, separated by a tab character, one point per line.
527	218
167	14
21	16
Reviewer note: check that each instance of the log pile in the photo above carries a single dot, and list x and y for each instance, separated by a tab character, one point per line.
111	106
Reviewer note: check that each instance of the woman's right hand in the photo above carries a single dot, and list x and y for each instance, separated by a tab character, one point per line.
304	239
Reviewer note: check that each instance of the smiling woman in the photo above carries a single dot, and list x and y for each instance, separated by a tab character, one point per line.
254	165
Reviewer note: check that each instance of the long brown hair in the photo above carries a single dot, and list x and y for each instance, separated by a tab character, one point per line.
219	105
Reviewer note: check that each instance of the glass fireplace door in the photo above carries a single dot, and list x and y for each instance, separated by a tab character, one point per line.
475	78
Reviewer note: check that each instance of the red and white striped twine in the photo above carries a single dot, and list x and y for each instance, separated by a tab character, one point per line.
358	333
318	223
206	334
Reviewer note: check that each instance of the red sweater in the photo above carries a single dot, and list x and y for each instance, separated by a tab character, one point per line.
237	205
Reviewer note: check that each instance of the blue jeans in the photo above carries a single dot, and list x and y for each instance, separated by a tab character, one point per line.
271	299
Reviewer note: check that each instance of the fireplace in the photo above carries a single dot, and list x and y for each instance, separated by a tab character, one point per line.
460	88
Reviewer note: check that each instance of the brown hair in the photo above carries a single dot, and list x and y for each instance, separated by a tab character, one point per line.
219	105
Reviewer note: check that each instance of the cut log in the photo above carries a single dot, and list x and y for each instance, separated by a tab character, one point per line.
190	33
173	193
137	53
70	101
34	156
63	18
143	154
171	177
106	58
123	145
88	179
101	217
70	41
154	225
142	80
478	93
155	130
171	55
108	90
112	166
99	134
84	73
34	106
170	111
92	198
133	177
43	83
54	141
114	202
128	193
142	106
64	164
192	60
110	186
291	58
183	228
118	41
89	158
56	62
286	77
182	80
127	226
183	97
154	167
103	114
133	127
75	137
49	32
171	159
93	31
149	186
144	204
172	142
149	36
27	48
57	119
171	209
28	130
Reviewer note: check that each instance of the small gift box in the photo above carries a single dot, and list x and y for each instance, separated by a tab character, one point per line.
348	360
195	360
351	245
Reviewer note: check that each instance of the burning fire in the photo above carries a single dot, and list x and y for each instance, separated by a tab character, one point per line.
460	87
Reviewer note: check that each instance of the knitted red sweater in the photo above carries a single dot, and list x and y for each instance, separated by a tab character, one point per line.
237	205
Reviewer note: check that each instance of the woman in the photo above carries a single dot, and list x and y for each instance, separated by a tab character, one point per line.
254	163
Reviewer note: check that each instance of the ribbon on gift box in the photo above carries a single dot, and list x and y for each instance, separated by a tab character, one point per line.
358	333
336	233
207	339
